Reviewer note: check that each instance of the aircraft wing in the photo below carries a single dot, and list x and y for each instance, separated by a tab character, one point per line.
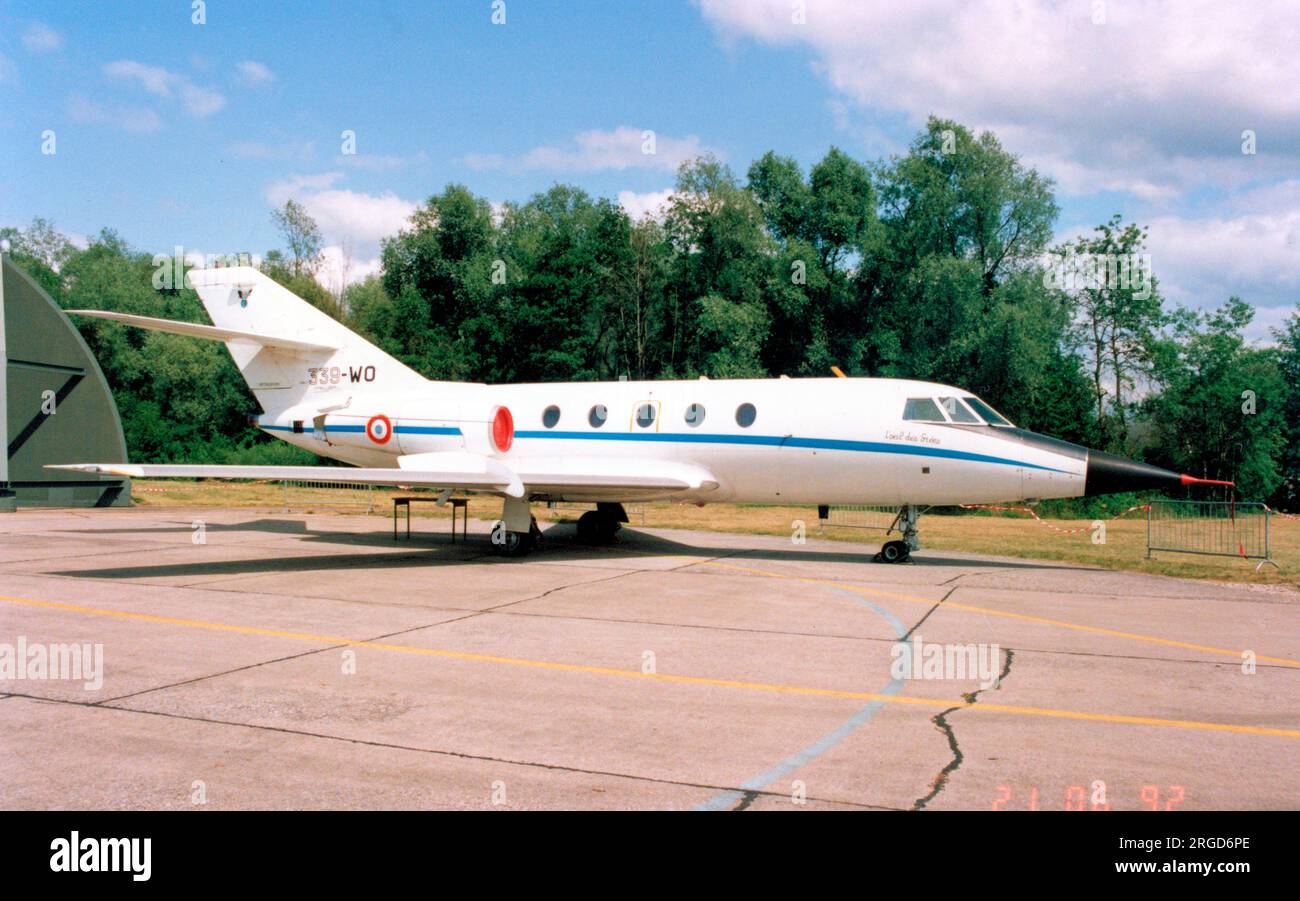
196	330
573	477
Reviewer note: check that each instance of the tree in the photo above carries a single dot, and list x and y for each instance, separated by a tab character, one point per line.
1120	317
447	259
961	195
636	278
1221	413
1287	493
301	235
721	249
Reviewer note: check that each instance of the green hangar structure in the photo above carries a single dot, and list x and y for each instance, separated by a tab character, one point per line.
55	406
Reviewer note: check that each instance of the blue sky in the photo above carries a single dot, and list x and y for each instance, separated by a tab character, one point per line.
177	133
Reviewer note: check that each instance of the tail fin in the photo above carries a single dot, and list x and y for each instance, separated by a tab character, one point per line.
329	362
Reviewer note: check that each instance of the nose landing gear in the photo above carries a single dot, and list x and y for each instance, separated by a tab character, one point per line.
893	552
900	551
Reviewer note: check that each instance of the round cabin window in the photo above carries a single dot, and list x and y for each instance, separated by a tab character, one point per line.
694	415
597	416
550	416
745	415
645	415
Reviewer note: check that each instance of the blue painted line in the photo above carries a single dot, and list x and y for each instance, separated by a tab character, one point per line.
426	430
871	447
401	429
729	799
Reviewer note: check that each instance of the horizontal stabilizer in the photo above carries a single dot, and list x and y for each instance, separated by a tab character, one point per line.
210	332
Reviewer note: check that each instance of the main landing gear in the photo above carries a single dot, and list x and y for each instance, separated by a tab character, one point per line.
600	525
516	532
900	551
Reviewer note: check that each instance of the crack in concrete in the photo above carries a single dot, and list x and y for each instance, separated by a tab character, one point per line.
436	752
937	605
941	723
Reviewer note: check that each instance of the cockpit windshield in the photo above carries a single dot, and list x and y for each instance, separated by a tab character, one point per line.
922	409
958	411
991	416
963	410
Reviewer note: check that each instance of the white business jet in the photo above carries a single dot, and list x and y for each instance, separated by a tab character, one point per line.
823	441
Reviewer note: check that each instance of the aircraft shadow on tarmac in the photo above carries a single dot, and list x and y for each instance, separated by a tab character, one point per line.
558	544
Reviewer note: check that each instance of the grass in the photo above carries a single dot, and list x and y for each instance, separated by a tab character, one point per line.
1012	535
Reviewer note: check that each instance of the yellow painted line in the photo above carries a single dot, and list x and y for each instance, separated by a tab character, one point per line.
989	611
657	677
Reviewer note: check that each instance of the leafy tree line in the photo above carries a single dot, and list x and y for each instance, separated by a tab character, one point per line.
937	264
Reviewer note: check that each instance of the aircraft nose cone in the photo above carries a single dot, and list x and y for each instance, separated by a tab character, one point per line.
1109	474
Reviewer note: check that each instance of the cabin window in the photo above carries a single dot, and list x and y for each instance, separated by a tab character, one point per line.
694	415
745	415
922	409
991	416
551	416
958	411
645	415
597	416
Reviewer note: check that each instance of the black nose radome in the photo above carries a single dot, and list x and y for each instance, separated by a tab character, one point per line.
1108	474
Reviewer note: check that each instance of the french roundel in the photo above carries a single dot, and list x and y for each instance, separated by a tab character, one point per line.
379	429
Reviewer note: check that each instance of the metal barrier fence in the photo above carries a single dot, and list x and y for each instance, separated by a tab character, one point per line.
314	495
632	511
859	516
1218	528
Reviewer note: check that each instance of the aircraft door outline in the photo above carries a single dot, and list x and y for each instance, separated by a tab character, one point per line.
634	422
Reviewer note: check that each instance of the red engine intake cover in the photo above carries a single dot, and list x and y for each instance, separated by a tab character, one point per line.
503	429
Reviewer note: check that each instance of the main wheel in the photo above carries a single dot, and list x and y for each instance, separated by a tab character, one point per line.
596	527
511	544
894	552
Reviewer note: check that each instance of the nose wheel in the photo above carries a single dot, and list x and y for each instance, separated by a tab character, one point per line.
894	552
900	551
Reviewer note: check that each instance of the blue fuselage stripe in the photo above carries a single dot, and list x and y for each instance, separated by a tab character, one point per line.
870	447
358	429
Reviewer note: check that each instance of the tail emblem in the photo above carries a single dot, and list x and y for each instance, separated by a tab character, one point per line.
379	429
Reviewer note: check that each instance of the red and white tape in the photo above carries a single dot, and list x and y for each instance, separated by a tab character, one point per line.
1043	522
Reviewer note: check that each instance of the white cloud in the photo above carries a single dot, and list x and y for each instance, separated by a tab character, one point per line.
197	100
346	218
482	162
340	267
41	38
302	152
649	203
251	73
374	162
128	118
1201	261
616	149
1139	103
621	148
